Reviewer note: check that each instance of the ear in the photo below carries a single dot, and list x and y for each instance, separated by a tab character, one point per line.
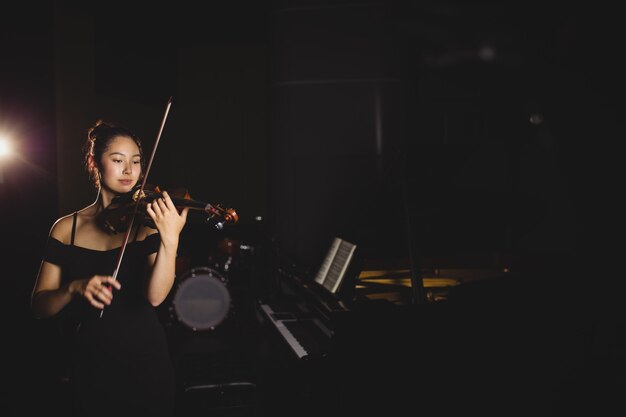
91	163
94	166
94	171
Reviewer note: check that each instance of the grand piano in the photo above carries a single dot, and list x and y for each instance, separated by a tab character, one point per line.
355	349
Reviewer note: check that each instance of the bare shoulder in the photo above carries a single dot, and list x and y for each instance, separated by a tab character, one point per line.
62	229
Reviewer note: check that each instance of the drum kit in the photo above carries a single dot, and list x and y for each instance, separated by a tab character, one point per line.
202	298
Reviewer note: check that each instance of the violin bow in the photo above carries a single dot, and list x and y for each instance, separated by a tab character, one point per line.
143	184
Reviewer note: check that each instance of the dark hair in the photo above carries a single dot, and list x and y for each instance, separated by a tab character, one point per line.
99	137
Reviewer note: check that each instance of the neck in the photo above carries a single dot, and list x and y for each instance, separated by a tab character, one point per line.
104	199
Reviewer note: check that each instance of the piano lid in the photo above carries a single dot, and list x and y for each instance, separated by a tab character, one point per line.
394	284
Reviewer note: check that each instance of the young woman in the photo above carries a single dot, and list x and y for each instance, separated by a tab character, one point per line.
120	361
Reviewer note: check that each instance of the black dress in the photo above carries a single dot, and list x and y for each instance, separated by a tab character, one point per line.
120	361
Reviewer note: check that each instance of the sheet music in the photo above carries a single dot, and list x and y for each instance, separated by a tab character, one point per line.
323	271
335	265
339	265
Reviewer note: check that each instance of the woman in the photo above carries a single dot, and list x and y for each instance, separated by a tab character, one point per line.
120	361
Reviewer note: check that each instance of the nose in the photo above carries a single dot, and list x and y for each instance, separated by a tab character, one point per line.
128	168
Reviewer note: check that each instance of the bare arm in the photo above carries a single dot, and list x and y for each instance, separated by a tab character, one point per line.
169	223
49	297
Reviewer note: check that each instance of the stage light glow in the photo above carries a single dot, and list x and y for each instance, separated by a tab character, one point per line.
5	146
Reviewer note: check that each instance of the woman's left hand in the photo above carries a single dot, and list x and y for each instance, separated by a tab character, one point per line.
169	222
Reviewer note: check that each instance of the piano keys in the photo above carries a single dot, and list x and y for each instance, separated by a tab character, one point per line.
306	337
304	312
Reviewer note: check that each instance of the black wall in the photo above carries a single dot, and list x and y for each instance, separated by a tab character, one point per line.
470	125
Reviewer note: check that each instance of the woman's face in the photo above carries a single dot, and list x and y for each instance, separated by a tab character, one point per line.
121	165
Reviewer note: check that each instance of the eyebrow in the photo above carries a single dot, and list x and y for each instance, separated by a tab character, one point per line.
123	154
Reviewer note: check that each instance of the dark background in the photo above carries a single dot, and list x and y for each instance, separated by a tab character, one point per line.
489	132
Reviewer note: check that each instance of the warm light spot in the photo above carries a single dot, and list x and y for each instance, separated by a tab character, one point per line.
5	146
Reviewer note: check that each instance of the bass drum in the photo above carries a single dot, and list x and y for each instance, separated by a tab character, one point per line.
201	300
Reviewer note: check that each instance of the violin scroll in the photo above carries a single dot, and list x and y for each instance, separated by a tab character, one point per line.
224	215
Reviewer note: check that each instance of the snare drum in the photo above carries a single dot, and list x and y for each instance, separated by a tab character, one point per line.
201	300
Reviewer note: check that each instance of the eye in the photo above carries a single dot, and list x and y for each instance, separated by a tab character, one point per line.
136	162
117	161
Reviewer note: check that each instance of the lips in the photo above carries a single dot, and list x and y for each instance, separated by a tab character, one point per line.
126	182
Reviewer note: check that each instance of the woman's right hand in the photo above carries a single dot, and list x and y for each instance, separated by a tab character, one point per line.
97	289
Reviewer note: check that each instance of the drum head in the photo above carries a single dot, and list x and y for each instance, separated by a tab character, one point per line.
202	300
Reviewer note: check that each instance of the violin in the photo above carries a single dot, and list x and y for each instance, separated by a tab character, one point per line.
118	215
